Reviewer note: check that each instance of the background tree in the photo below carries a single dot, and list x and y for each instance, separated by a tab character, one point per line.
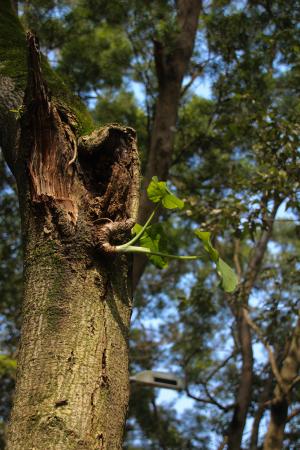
10	286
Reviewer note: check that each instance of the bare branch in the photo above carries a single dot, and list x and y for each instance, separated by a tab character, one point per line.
209	400
223	443
295	381
293	414
221	365
272	358
194	75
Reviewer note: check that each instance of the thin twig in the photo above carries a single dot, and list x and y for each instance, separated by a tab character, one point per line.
272	358
221	365
198	70
214	401
293	414
223	443
295	381
209	400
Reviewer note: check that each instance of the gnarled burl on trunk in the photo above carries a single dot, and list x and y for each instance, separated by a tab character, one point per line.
72	382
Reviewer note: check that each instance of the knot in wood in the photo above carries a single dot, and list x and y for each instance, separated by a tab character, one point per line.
111	232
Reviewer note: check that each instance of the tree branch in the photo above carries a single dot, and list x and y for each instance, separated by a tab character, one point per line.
282	397
293	414
210	400
260	249
272	358
221	365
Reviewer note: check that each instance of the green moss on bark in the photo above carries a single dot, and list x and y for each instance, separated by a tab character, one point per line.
13	64
62	95
13	60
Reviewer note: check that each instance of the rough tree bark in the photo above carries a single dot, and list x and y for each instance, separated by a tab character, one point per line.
282	394
171	66
78	195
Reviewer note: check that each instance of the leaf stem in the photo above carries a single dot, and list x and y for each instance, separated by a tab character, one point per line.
121	248
134	249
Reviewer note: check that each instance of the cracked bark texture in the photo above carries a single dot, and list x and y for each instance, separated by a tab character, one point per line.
72	381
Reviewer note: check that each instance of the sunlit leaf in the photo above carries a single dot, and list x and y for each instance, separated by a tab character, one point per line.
170	201
136	229
204	236
229	279
158	191
154	239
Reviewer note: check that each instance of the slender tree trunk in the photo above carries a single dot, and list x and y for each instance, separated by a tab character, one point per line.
171	66
78	196
280	403
243	396
265	395
244	391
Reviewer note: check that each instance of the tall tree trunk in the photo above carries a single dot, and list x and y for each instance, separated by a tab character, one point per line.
244	391
78	196
282	393
171	66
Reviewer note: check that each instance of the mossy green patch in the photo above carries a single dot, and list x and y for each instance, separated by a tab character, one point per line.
13	64
46	251
62	95
13	60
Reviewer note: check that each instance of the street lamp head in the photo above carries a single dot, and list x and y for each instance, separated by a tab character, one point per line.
158	379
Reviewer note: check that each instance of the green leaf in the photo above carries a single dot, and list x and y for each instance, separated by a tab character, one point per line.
158	191
136	229
155	240
204	236
229	279
170	201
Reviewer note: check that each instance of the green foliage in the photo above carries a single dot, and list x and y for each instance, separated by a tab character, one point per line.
229	279
228	276
10	290
93	55
7	365
204	236
153	238
122	107
158	192
10	261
